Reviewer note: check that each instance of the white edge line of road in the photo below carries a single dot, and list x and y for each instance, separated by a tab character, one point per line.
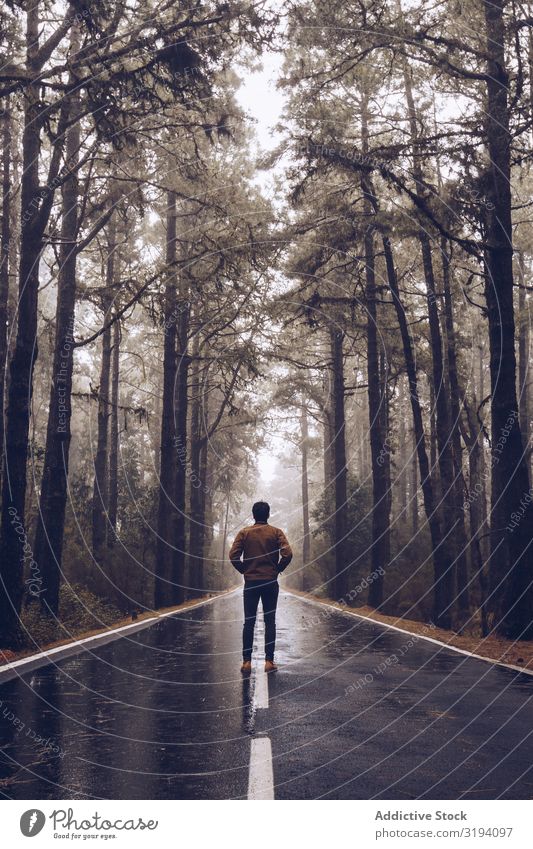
34	661
261	775
261	689
344	612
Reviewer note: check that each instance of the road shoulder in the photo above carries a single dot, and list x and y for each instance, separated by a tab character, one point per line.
490	649
56	652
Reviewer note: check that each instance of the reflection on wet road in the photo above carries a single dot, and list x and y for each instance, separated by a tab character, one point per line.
355	711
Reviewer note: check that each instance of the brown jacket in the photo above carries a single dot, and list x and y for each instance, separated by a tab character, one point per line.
265	552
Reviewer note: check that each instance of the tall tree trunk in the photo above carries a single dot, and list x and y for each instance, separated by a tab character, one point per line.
441	559
195	479
414	486
476	507
304	448
114	435
342	563
202	530
402	454
54	486
433	439
180	418
327	437
327	443
34	214
205	491
511	559
485	538
523	357
5	246
463	601
207	505
100	502
156	435
379	447
164	589
443	424
385	427
443	432
328	462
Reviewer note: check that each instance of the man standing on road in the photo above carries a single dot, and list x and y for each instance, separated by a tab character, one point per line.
265	552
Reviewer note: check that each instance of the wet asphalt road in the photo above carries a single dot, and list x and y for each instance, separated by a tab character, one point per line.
355	712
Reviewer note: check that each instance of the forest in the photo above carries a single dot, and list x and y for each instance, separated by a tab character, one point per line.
337	321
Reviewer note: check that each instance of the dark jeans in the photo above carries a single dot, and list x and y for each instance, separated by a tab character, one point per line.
268	592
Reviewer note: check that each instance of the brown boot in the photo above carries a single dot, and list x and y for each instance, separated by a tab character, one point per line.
270	666
246	667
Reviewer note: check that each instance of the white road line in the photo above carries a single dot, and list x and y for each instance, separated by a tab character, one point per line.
345	612
261	688
260	676
261	777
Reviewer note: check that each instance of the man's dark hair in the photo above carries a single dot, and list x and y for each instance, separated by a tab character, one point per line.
261	511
